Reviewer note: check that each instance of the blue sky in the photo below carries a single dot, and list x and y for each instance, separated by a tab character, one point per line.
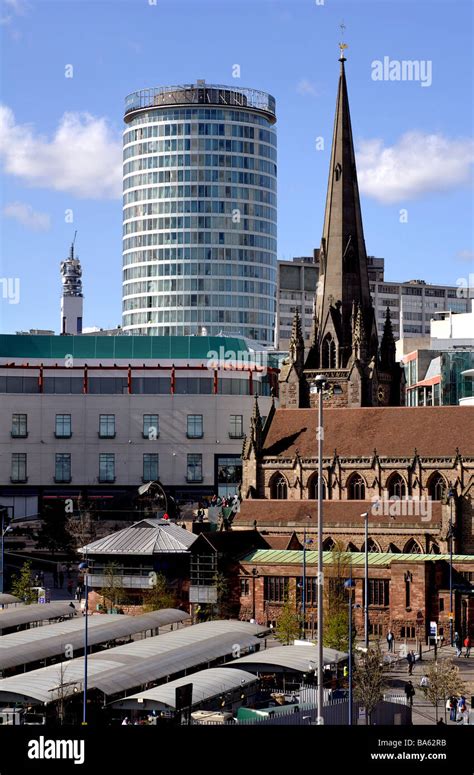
60	137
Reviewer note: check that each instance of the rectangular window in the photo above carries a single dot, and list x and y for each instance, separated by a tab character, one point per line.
107	426
62	470
150	467
441	604
106	467
195	426
311	591
151	426
379	592
236	426
19	426
18	467
244	587
63	426
194	468
275	589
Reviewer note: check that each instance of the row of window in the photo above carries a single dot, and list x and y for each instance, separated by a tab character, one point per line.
183	285
140	385
200	192
160	262
356	487
276	590
142	327
219	130
168	222
152	116
213	206
207	316
200	175
199	144
200	160
107	426
199	238
220	303
63	471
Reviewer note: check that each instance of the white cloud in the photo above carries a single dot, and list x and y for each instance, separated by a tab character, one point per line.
417	164
465	255
25	215
82	158
12	8
306	88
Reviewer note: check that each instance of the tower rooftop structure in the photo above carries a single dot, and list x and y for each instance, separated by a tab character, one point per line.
71	297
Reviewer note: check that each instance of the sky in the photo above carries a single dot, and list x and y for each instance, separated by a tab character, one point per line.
67	65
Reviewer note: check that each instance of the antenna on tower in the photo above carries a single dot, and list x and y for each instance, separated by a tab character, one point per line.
72	244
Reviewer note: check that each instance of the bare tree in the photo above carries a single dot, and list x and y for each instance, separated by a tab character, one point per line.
444	681
369	680
82	526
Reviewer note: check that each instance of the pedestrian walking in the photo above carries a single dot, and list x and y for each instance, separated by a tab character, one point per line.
410	692
411	662
467	646
78	592
390	640
424	682
452	708
458	644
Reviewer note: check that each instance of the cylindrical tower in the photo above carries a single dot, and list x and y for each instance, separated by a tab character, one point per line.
199	215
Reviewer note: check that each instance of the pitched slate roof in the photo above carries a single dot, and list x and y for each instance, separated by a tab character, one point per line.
147	537
434	431
280	513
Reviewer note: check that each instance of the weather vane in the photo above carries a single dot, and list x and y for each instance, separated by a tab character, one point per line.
342	45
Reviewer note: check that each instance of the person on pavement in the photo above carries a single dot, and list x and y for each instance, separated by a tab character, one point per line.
467	645
390	640
457	644
410	692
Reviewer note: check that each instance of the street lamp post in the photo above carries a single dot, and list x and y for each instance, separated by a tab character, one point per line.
317	387
366	581
350	584
451	611
303	592
85	567
254	576
4	529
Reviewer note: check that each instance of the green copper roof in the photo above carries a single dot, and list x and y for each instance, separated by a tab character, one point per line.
120	347
295	557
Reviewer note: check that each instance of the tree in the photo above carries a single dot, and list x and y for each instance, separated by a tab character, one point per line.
81	527
444	681
159	596
288	625
21	585
336	615
369	681
53	534
113	591
222	608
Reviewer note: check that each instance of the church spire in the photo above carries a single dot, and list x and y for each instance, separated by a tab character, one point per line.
343	259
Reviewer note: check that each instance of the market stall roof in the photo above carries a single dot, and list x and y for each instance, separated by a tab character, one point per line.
20	648
206	685
147	537
38	612
301	659
6	599
128	667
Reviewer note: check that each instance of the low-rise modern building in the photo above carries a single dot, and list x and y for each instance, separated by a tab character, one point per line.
101	415
440	371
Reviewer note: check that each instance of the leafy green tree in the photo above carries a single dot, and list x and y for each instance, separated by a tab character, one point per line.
159	596
288	624
22	583
113	592
369	680
336	594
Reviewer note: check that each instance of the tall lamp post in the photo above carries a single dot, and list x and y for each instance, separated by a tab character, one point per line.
303	591
451	535
84	566
254	576
350	584
317	387
4	529
366	581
